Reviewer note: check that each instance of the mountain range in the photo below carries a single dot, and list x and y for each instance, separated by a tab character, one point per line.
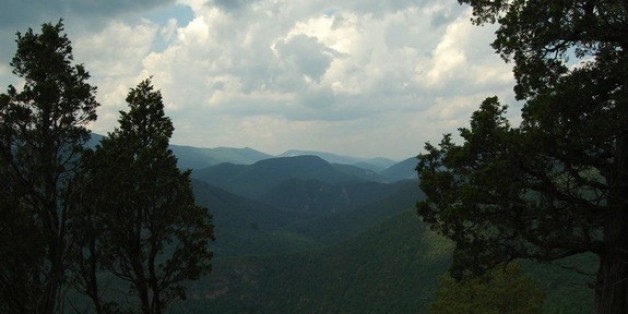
308	232
374	169
302	235
375	164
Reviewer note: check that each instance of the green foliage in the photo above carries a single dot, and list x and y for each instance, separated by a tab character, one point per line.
250	227
390	268
42	133
321	198
347	223
565	282
503	290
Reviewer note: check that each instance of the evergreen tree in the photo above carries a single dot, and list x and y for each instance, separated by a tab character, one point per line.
557	185
42	133
143	224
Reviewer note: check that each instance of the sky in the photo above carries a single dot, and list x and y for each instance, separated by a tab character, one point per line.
365	78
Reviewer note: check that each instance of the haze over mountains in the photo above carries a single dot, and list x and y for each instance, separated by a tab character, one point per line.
211	161
198	158
376	168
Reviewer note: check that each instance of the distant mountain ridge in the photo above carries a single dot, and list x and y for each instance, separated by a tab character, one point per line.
196	158
403	170
191	157
377	169
258	178
375	164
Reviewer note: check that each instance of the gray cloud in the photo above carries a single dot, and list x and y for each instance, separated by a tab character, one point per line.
321	99
24	13
78	15
378	8
306	53
231	5
274	75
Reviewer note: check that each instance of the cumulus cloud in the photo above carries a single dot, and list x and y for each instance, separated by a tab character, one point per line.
361	77
306	54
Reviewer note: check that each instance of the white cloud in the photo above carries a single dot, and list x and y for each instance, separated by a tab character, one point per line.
114	57
363	77
5	70
118	50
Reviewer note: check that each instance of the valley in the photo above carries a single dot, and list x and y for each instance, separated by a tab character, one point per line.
300	234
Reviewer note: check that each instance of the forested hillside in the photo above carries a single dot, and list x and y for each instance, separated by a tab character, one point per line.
280	253
391	268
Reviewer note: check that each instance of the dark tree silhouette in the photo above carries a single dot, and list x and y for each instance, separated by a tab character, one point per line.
557	185
144	226
42	133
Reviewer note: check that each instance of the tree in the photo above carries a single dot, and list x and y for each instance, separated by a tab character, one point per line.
143	224
20	259
504	290
42	133
557	185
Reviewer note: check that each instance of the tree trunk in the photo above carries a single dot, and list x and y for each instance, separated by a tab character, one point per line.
612	281
54	280
89	274
54	277
612	290
154	283
140	285
142	290
156	299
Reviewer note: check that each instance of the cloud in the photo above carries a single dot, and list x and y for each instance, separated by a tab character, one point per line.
114	58
449	56
363	77
18	14
306	54
232	5
80	17
117	50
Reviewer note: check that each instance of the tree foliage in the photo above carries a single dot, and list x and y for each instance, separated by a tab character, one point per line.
67	213
557	185
144	226
42	134
503	291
